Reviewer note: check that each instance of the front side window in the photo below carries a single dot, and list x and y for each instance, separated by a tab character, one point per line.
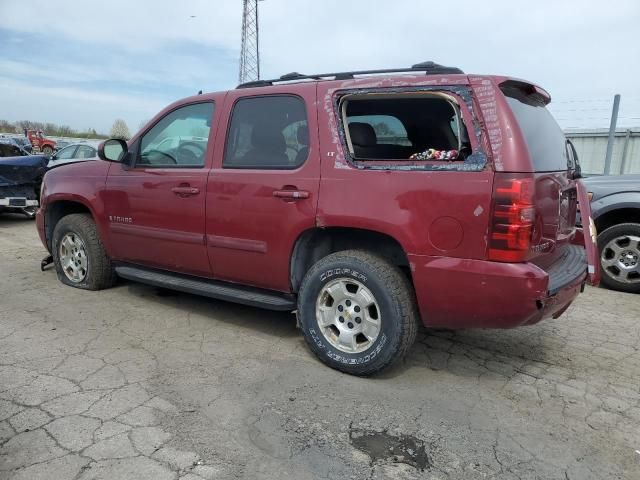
66	153
85	151
179	139
268	132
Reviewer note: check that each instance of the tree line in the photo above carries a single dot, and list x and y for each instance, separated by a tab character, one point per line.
118	130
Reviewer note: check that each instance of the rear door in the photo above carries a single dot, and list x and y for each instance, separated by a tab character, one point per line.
555	190
263	190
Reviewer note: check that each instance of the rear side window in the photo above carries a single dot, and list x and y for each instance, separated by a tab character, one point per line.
545	140
269	132
404	127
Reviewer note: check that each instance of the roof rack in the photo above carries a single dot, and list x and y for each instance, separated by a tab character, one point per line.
429	68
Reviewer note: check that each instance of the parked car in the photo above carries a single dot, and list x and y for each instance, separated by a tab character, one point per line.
73	153
20	179
464	216
24	143
10	148
615	206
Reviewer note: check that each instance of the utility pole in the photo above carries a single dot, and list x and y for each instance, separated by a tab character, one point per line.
249	50
612	134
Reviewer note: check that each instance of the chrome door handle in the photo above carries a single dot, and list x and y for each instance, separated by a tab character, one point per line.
185	191
291	194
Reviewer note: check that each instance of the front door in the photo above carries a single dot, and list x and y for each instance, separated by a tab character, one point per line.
156	206
263	190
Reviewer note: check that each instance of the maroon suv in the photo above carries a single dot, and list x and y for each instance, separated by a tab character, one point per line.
367	202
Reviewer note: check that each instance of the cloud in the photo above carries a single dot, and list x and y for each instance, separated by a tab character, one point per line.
76	106
577	50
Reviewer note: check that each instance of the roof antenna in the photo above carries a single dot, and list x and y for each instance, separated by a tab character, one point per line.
199	92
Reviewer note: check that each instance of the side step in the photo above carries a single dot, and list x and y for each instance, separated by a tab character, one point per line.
209	288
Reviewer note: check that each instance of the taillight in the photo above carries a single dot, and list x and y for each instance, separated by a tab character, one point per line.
513	217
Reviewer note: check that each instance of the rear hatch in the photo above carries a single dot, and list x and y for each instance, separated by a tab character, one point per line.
541	198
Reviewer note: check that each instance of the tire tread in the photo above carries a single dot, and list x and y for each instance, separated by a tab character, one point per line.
399	287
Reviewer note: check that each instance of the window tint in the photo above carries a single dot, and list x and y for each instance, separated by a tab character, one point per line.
179	139
66	153
267	132
545	140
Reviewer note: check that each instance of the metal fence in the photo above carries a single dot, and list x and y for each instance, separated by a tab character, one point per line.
591	146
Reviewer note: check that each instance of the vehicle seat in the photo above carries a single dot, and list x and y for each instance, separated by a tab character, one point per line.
302	136
268	147
363	139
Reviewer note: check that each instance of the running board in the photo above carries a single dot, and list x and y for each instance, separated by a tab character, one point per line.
209	288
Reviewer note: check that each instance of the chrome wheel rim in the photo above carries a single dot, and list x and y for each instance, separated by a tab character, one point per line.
620	259
348	315
73	257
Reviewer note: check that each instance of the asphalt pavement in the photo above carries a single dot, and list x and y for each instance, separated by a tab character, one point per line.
140	383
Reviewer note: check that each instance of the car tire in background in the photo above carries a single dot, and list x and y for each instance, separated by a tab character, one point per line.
619	248
357	312
78	254
47	150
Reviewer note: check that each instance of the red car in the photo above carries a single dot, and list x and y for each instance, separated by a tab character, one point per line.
368	202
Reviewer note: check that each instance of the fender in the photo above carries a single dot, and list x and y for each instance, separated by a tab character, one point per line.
82	183
615	201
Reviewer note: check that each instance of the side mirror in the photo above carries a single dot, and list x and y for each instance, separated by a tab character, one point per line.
112	150
577	169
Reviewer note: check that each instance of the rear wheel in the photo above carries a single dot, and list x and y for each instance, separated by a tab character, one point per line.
47	150
619	248
357	312
78	254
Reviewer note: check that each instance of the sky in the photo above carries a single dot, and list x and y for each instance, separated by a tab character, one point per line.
86	63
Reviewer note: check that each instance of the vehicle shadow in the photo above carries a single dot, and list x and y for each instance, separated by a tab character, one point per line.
8	219
466	353
265	322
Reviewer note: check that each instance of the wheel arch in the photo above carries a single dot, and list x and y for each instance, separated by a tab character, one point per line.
316	243
58	209
617	216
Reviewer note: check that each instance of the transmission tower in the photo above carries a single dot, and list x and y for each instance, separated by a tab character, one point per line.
249	53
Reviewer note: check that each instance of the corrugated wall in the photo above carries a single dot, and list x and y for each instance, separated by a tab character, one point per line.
591	146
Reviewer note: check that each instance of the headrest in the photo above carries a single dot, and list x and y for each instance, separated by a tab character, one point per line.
303	135
268	137
362	134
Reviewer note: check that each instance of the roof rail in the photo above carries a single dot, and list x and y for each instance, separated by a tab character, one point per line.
429	68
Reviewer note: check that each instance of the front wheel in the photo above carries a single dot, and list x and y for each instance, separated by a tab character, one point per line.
47	150
357	312
78	254
619	248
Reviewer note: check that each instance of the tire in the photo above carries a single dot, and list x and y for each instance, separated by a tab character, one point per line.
364	276
617	245
76	237
47	150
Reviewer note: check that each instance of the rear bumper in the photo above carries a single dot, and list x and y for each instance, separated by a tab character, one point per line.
461	293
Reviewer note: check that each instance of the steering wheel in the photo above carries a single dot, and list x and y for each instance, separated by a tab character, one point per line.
159	153
190	152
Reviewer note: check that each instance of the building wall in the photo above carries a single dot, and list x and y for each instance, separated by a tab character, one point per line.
591	146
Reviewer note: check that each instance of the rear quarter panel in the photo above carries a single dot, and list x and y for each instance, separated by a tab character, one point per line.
436	213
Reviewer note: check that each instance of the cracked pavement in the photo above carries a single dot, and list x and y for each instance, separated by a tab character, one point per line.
138	383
